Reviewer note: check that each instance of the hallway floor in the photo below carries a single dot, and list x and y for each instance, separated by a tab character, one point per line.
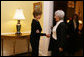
78	53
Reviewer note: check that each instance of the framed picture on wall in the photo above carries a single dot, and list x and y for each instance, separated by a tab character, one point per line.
71	4
37	6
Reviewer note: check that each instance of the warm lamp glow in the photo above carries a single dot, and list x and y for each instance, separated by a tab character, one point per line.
80	22
68	21
19	14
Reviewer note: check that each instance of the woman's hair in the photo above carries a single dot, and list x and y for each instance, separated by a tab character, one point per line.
60	14
36	13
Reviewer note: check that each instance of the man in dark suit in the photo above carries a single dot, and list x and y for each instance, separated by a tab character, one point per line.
73	25
73	34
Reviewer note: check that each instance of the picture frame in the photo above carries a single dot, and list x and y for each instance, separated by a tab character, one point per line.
37	6
71	4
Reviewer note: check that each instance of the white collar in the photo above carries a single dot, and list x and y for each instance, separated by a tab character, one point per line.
59	21
55	28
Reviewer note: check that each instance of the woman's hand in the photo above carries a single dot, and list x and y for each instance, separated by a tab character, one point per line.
61	49
48	35
37	31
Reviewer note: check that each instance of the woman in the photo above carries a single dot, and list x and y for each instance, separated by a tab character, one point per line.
36	33
59	34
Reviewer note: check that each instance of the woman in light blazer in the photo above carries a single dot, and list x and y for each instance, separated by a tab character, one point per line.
59	34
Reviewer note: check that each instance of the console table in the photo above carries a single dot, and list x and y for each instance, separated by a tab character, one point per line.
15	37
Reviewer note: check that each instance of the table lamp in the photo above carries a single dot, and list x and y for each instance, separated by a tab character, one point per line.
19	16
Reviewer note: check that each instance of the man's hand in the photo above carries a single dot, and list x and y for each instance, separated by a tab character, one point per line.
61	49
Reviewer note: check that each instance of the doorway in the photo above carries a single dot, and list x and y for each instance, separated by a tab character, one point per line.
59	5
63	5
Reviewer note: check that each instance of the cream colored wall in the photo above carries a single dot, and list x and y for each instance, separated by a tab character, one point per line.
8	24
8	8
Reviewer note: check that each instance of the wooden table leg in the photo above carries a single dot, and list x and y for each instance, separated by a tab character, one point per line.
28	45
2	47
14	43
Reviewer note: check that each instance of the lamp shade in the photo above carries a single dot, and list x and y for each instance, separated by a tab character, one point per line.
19	14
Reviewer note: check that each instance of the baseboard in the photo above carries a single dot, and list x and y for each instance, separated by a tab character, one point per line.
22	54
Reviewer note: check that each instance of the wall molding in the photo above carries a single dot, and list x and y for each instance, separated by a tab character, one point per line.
47	24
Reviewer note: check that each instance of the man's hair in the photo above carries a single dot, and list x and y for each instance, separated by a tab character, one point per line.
76	17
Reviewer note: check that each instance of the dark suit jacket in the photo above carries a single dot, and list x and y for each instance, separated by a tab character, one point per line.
73	36
36	26
61	37
72	30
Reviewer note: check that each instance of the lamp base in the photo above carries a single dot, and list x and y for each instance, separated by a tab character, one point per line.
18	33
18	27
